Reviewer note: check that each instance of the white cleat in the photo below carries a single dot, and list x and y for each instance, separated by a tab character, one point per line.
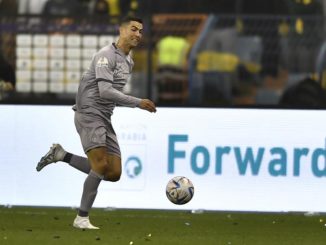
55	154
84	223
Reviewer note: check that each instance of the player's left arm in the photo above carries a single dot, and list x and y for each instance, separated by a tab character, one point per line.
104	70
104	77
147	105
107	91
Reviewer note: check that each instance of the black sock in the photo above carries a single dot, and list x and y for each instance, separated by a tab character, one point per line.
82	213
78	162
67	157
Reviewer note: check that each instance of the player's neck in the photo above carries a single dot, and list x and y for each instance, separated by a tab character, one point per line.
123	47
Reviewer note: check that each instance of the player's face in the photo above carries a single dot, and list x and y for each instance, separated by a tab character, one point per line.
133	33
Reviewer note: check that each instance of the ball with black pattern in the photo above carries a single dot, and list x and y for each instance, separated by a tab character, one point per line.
179	190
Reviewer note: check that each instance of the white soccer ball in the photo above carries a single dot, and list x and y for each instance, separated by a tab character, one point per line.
179	190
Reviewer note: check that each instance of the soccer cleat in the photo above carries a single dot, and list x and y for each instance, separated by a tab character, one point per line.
55	154
83	223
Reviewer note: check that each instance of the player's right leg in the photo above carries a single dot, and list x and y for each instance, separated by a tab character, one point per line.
57	153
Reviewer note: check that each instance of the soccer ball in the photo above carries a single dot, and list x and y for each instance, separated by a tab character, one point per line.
179	190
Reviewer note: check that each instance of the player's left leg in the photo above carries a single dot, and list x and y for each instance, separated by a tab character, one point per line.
113	170
113	156
104	167
97	158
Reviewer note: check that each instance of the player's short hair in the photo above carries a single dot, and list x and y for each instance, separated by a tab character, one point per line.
127	19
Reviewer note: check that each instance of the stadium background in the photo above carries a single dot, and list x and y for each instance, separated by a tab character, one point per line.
225	53
250	62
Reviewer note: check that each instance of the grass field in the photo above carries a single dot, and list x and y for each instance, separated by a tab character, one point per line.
46	226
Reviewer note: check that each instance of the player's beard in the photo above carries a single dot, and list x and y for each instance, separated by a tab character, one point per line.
134	42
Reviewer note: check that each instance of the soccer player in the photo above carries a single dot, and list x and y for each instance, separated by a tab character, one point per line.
98	93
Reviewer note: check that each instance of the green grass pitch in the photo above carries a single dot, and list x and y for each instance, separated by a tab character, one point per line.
47	226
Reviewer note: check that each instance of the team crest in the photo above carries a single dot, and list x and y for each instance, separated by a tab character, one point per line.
102	62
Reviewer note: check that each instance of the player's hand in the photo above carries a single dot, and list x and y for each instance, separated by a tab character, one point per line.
147	105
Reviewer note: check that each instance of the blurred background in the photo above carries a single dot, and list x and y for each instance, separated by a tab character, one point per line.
221	53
